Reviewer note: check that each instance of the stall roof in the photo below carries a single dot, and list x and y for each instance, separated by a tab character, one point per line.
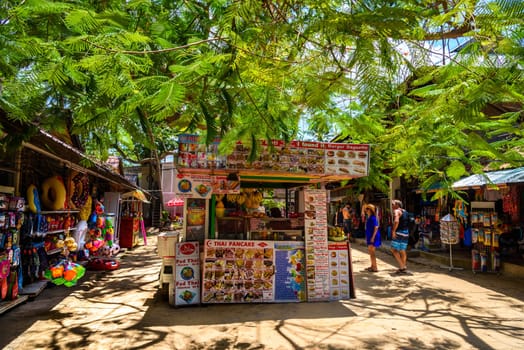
261	179
135	195
499	177
53	147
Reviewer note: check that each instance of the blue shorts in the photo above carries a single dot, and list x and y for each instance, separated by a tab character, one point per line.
400	242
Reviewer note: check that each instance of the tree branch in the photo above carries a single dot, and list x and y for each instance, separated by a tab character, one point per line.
147	52
452	34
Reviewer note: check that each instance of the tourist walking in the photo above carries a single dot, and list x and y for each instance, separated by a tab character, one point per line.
400	235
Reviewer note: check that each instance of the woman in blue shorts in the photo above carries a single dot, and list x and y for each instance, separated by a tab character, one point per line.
400	235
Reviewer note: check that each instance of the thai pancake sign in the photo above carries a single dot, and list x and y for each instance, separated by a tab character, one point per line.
187	275
238	271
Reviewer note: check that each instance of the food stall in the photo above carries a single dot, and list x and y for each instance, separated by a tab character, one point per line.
247	256
131	221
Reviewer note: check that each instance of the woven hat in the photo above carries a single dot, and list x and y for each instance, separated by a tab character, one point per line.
370	207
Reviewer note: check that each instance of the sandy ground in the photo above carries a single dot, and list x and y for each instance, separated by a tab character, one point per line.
430	308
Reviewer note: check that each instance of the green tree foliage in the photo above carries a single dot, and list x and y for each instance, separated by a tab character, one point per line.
128	76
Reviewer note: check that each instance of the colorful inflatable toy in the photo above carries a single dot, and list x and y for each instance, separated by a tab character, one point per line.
79	189
85	211
33	200
103	264
65	273
54	193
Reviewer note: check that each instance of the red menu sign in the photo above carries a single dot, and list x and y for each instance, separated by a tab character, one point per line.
187	277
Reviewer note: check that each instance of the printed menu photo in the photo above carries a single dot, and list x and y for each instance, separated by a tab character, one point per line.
238	271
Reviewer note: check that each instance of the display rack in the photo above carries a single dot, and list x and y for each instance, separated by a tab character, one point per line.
485	256
449	234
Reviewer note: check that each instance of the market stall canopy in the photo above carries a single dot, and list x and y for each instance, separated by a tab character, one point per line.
136	194
499	177
48	145
432	188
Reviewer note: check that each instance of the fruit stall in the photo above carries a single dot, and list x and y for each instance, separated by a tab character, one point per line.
247	253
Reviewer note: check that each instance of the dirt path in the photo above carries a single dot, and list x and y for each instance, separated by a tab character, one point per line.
431	308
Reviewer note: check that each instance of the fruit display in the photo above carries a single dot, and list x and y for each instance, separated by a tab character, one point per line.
336	233
248	197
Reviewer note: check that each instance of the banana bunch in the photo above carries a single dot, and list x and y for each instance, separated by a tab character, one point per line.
236	198
253	200
249	197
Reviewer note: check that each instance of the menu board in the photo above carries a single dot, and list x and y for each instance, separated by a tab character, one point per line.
299	157
195	220
187	273
194	185
194	153
238	271
347	159
317	255
290	276
339	271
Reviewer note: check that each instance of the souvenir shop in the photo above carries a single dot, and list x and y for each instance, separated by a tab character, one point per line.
492	222
53	222
234	249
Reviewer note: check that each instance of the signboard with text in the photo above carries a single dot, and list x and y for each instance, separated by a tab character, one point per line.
187	274
297	157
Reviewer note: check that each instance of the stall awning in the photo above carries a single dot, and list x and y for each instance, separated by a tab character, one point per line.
135	195
431	189
499	177
176	202
53	147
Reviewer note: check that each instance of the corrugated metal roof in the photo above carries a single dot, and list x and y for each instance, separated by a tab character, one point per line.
499	177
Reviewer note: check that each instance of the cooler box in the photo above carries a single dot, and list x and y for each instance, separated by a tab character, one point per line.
166	243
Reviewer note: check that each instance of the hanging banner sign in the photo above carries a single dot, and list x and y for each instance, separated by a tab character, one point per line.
203	186
298	157
221	185
194	185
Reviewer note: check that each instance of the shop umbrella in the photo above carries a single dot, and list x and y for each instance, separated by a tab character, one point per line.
176	202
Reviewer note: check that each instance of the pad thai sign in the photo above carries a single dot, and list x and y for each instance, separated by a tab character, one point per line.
202	186
300	157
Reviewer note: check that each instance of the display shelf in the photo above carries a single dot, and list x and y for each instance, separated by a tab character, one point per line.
9	304
485	255
54	251
276	235
42	234
55	221
33	289
65	211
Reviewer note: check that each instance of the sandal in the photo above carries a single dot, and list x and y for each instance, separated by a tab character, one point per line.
370	269
401	271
